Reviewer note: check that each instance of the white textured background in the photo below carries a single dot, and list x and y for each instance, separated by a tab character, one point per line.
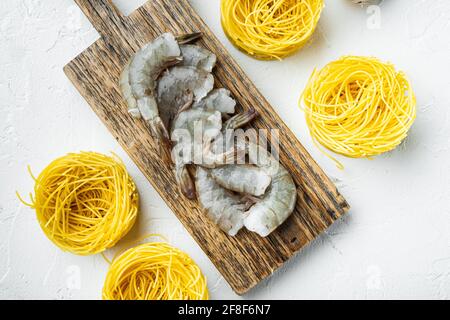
395	243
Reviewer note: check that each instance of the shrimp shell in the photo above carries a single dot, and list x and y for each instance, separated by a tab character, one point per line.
279	201
186	122
197	57
221	206
127	93
178	86
218	99
242	178
199	152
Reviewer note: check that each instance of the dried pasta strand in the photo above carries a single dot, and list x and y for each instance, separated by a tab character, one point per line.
85	202
154	271
358	106
270	29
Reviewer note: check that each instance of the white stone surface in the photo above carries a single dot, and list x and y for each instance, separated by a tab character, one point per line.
395	243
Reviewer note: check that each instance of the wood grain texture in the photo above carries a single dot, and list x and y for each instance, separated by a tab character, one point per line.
246	259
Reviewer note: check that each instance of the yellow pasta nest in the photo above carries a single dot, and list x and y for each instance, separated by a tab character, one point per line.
359	106
270	29
154	271
85	202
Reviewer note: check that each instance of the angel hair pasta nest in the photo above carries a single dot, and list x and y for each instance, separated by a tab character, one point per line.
270	29
154	271
359	106
85	202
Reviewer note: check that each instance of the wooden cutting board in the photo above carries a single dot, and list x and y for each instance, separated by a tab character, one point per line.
246	259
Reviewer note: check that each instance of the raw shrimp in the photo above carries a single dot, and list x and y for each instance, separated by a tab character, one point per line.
246	179
224	208
185	136
191	129
197	133
139	78
194	131
189	82
178	88
197	57
279	201
223	148
194	126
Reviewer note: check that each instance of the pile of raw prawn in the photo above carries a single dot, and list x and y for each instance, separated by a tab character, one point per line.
169	83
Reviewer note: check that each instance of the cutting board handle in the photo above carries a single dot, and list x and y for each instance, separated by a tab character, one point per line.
104	16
